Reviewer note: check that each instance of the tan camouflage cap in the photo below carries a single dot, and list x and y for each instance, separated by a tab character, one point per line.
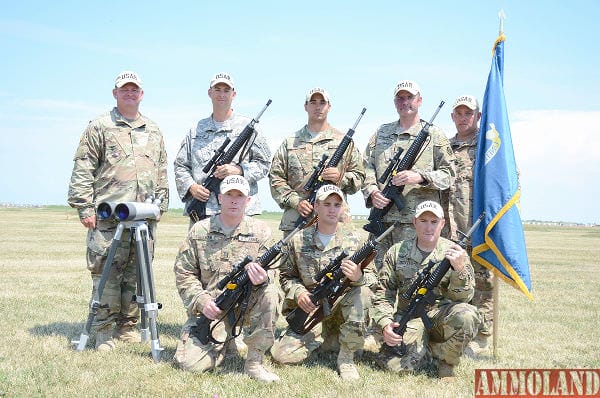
431	206
235	182
407	85
128	76
467	100
329	189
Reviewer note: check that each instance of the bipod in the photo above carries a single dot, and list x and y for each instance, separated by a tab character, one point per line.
144	297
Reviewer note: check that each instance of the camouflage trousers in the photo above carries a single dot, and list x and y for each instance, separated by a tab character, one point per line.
120	287
347	322
454	326
259	332
483	298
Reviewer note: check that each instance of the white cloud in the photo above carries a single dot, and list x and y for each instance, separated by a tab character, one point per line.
559	167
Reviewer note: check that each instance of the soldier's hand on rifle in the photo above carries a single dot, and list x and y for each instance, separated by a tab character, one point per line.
304	208
257	274
392	339
351	270
406	177
89	222
305	303
199	192
211	311
331	174
225	170
379	201
456	255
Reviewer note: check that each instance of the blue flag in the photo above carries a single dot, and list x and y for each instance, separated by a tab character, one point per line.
499	241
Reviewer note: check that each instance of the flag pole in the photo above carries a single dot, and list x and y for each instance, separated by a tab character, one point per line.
495	291
495	316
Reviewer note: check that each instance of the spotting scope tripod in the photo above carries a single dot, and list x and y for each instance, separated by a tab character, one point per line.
133	216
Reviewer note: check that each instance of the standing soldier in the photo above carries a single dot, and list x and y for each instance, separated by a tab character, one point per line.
309	253
121	158
213	246
431	174
300	153
465	115
201	142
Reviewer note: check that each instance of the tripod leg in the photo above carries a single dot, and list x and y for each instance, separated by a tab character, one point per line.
140	300
144	261
95	303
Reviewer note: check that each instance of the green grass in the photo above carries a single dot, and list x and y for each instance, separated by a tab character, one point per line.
45	288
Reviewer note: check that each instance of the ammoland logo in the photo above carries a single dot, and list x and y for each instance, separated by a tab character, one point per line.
537	383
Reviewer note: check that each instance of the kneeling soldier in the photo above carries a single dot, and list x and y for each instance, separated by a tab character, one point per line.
213	246
455	322
309	253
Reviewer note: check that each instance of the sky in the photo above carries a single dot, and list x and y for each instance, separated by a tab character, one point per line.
60	59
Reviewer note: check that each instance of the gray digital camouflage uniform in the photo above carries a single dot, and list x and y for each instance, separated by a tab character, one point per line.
205	257
306	258
293	164
455	322
435	164
199	146
117	161
461	213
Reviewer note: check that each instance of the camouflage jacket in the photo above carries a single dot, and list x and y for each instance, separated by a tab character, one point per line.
118	160
461	192
435	164
294	163
401	264
199	146
307	257
208	254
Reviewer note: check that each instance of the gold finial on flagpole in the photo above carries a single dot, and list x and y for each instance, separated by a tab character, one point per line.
502	17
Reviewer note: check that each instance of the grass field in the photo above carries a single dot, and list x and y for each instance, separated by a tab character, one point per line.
45	288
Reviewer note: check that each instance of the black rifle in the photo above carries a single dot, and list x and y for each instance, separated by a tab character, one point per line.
332	284
391	191
316	180
237	292
197	208
421	294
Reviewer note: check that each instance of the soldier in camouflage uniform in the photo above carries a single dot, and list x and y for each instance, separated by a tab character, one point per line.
201	142
213	246
454	321
431	174
121	157
465	115
297	156
309	253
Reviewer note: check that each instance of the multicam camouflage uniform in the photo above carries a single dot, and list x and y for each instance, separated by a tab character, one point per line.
455	322
435	164
307	257
199	146
117	161
461	213
294	162
205	257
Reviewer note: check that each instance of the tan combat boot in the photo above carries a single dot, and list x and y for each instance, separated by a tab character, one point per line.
127	334
345	362
445	371
104	341
255	369
478	346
